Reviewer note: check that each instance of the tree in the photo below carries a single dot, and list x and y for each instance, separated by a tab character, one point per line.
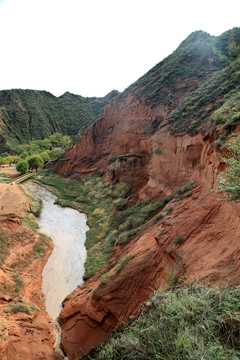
44	155
5	154
230	181
22	166
35	161
56	139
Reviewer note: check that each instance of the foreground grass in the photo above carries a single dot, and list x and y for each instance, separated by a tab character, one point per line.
184	323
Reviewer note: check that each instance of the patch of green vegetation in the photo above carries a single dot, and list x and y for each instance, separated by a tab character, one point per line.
30	222
170	210
135	216
120	203
188	322
42	244
184	189
229	182
171	278
18	282
179	239
126	236
122	263
197	108
20	307
229	113
156	219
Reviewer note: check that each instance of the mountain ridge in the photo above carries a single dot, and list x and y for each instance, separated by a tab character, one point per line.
30	114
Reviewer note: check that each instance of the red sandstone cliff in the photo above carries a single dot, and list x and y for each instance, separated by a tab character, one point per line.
160	160
210	252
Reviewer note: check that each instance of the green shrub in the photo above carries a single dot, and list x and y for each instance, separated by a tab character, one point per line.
120	203
182	190
122	263
126	236
170	210
178	239
120	190
20	307
156	219
38	248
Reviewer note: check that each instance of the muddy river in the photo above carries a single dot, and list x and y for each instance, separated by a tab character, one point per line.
65	267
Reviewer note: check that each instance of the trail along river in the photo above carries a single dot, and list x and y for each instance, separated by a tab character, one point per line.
64	269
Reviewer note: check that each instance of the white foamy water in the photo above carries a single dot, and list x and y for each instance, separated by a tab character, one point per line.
65	267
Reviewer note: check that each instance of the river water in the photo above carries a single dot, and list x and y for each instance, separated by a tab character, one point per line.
65	267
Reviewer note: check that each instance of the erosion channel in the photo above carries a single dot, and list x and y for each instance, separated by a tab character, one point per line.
65	267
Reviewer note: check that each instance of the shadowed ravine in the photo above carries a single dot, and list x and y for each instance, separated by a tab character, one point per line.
65	267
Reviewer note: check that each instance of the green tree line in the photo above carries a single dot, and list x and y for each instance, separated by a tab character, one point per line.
37	152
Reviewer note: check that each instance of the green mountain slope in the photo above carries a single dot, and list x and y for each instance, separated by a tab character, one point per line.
198	57
30	114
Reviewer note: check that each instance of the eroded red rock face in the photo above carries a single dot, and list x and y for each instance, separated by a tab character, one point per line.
209	250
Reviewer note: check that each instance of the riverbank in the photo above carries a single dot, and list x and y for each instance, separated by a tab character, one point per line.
26	330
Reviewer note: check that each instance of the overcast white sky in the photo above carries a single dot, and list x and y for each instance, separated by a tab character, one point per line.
90	47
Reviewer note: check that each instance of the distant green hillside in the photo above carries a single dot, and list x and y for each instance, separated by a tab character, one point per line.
30	114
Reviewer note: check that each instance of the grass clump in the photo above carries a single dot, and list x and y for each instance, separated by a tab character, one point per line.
30	222
122	263
20	307
178	239
184	189
190	322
